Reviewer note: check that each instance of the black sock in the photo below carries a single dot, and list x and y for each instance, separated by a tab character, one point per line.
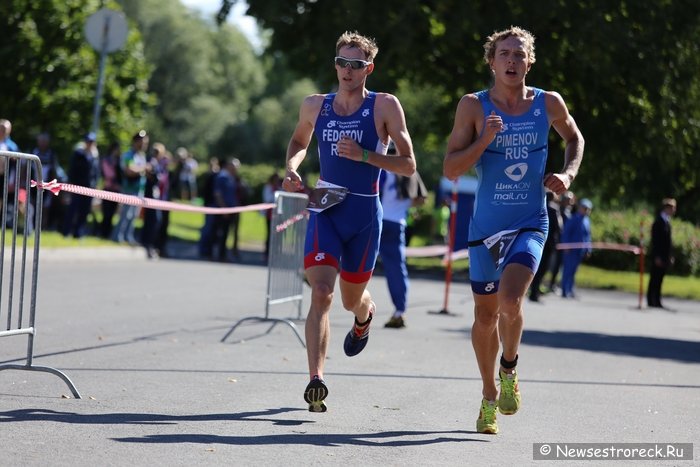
509	365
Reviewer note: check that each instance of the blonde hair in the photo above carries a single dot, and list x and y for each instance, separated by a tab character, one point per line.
159	148
514	31
367	45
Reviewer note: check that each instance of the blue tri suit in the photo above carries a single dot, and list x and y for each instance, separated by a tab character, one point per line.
509	223
346	235
576	230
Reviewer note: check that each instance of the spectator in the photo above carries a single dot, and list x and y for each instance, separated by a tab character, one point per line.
187	174
164	187
133	167
14	171
5	136
84	171
225	196
49	164
152	218
566	204
274	183
242	195
576	230
556	223
112	181
206	233
661	252
397	193
6	144
3	168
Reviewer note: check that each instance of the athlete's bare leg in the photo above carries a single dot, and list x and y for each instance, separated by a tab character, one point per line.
515	281
356	298
322	280
485	341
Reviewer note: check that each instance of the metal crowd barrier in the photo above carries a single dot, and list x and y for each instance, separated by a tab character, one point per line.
21	219
285	272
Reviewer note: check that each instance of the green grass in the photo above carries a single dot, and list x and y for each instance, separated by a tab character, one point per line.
185	226
590	277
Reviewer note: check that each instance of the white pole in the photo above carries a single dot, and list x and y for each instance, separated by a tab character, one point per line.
100	78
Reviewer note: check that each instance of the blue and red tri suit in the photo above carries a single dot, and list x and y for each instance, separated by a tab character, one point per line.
346	235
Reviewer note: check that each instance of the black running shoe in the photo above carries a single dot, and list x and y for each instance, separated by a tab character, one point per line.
356	340
314	394
395	322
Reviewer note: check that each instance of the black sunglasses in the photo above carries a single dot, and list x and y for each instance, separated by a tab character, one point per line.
355	63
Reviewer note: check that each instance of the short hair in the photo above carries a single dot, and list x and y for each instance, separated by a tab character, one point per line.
141	134
514	31
668	202
367	45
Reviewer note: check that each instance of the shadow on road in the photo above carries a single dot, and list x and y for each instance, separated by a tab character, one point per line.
636	346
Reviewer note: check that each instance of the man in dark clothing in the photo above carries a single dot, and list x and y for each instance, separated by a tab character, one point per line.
225	196
206	235
84	171
556	224
661	257
566	210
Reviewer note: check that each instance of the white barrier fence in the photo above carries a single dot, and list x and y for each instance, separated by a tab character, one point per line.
285	276
19	261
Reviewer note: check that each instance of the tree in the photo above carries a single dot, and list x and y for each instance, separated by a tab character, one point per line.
205	77
50	75
627	70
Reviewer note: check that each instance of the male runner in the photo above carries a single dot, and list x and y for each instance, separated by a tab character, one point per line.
502	132
352	128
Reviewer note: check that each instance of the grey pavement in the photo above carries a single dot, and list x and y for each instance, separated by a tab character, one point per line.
141	340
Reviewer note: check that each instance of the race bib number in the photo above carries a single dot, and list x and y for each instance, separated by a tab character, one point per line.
499	244
325	195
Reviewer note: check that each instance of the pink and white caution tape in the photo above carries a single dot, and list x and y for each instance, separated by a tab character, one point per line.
56	187
435	250
426	251
599	246
291	221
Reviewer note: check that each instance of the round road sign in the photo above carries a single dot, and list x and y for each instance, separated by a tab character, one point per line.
106	30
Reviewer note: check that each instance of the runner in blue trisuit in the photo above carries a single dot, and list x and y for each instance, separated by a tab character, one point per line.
502	133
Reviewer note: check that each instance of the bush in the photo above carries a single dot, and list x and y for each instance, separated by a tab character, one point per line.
624	227
627	227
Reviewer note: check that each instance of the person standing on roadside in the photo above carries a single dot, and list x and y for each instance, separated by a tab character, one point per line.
397	194
661	252
556	224
576	230
112	181
133	168
84	171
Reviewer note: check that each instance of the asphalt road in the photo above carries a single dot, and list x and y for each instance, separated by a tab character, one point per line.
141	341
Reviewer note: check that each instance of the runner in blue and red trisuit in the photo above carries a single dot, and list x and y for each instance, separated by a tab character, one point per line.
352	127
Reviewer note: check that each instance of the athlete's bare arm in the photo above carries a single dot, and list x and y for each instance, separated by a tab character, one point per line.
299	142
391	123
470	136
564	124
